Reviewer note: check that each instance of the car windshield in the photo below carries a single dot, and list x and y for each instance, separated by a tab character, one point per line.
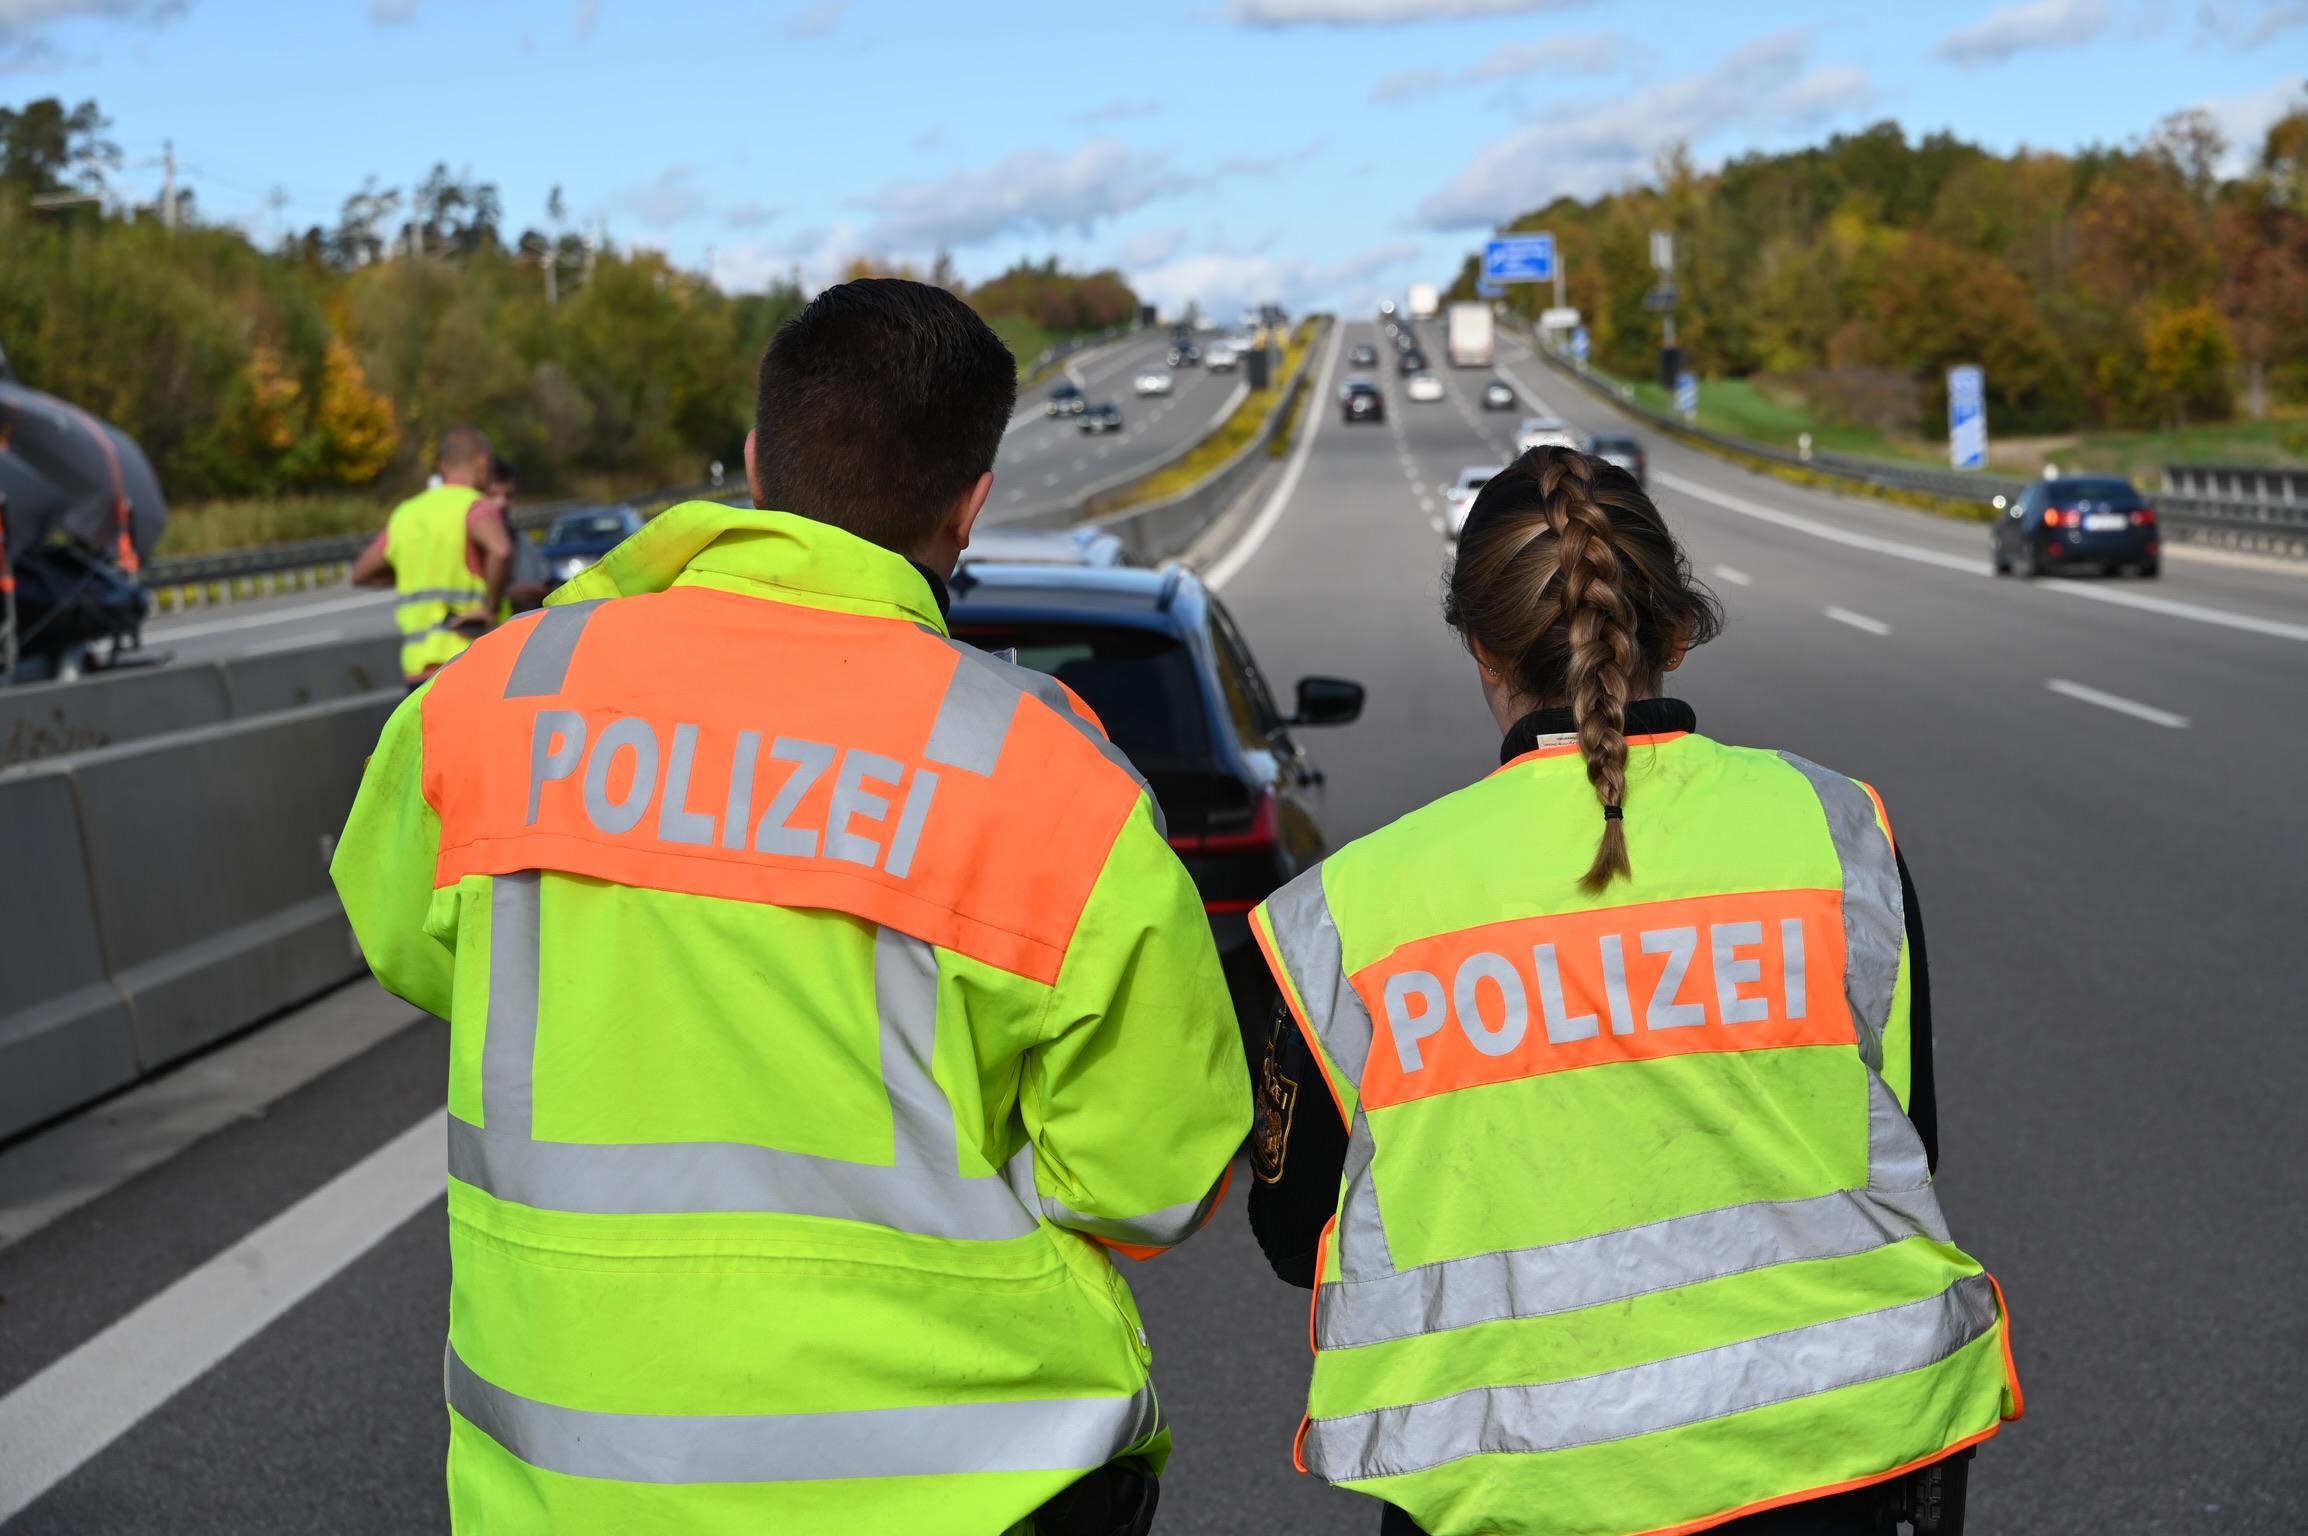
587	525
1361	387
1614	445
1064	392
1473	482
1142	685
2115	495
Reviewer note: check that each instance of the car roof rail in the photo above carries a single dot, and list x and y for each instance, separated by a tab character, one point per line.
1174	573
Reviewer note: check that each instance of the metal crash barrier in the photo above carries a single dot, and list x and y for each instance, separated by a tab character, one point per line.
175	890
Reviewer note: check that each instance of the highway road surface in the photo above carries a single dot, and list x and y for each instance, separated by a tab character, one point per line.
225	1294
1045	464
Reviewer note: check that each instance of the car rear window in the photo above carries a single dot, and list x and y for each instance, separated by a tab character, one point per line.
1615	445
2115	495
1143	686
587	525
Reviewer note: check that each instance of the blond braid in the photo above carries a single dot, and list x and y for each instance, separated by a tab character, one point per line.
1603	649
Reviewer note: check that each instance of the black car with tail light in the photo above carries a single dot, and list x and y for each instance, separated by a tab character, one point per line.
2076	521
1158	660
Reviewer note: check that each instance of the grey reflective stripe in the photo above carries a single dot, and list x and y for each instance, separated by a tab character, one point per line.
1896	1162
1362	1244
1165	1228
1307	936
509	1037
1616	1266
1065	1434
920	1190
974	718
543	665
1656	1396
1874	916
453	596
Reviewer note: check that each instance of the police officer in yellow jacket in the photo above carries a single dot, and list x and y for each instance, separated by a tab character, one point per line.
826	1005
1602	1130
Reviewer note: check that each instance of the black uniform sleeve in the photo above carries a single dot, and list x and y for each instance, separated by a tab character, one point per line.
1922	1093
1297	1154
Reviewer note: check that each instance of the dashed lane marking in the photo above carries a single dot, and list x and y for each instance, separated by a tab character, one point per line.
1229	565
2118	703
1857	620
83	1402
1733	575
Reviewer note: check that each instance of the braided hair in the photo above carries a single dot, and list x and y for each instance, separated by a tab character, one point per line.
1566	573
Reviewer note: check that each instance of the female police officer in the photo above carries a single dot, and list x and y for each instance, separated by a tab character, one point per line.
1628	1223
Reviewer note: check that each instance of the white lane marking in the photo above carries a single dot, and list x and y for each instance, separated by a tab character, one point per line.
53	1173
1051	478
1017	495
1435	523
1857	620
1080	463
294	642
1105	450
1229	565
1426	503
2118	703
288	616
1733	575
80	1404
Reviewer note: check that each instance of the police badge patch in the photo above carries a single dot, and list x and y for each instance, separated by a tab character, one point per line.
1277	1099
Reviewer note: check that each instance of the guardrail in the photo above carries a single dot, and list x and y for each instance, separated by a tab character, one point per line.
167	892
2233	521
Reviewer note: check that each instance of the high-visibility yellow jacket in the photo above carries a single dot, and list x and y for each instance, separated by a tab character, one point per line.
426	541
1634	1233
824	1000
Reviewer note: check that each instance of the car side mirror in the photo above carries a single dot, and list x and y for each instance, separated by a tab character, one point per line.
1327	701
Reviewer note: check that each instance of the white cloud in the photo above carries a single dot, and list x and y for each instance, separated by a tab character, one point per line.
816	255
392	13
750	215
2244	120
2028	26
1584	148
1589	53
2250	23
1380	13
818	19
673	198
1403	84
20	18
1224	281
588	17
1028	191
1149	248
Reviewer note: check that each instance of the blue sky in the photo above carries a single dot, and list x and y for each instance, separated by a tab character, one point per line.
1314	151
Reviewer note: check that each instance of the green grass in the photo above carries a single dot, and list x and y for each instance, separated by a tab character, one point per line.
203	528
1737	408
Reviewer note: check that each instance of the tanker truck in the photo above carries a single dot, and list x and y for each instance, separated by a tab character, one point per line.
80	511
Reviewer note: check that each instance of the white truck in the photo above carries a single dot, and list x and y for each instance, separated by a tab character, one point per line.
1469	343
1425	299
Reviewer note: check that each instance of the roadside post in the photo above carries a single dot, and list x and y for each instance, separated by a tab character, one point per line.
1687	395
1967	417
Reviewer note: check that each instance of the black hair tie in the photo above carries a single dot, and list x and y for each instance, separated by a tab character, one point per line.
1614	813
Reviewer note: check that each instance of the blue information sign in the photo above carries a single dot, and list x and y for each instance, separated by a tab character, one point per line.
1687	393
1519	259
1579	345
1967	417
1489	290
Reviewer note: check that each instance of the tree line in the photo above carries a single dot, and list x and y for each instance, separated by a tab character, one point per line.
2112	286
337	357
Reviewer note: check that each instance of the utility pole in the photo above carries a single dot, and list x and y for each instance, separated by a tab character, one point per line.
168	183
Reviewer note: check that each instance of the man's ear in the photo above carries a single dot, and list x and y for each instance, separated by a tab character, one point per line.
753	471
967	509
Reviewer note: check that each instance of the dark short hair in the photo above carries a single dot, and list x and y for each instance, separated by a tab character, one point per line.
501	470
465	448
879	404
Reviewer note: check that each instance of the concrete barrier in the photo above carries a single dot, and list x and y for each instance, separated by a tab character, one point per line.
65	1031
259	685
44	720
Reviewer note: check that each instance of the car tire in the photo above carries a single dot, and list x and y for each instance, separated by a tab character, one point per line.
2036	566
2002	565
2151	569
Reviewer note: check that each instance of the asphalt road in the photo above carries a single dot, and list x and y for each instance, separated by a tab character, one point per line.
2111	878
1045	464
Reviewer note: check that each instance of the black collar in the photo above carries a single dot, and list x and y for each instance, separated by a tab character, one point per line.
938	591
1645	717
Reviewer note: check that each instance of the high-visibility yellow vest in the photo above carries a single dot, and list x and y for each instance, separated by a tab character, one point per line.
1634	1233
426	542
825	1004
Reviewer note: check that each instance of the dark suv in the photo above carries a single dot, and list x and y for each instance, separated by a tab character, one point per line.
2099	521
1155	656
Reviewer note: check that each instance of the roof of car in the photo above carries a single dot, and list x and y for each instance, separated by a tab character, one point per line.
1125	593
1482	471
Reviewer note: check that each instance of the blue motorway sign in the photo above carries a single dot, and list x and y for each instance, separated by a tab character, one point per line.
1519	259
1489	290
1967	417
1687	393
1579	345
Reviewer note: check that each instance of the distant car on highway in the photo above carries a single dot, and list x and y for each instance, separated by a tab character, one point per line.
1154	381
1361	401
2079	520
1365	356
1498	397
1185	354
1156	657
1425	387
1544	432
1065	400
1045	546
1221	358
1615	448
1105	416
1459	496
1412	361
577	539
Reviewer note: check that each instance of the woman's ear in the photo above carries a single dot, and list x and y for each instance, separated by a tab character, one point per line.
1681	646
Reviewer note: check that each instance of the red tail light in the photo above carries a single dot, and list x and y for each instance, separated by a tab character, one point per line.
1263	833
2144	518
2055	517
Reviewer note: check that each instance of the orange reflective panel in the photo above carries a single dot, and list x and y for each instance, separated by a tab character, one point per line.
1755	971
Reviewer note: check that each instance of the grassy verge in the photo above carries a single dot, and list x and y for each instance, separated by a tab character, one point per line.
1232	434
